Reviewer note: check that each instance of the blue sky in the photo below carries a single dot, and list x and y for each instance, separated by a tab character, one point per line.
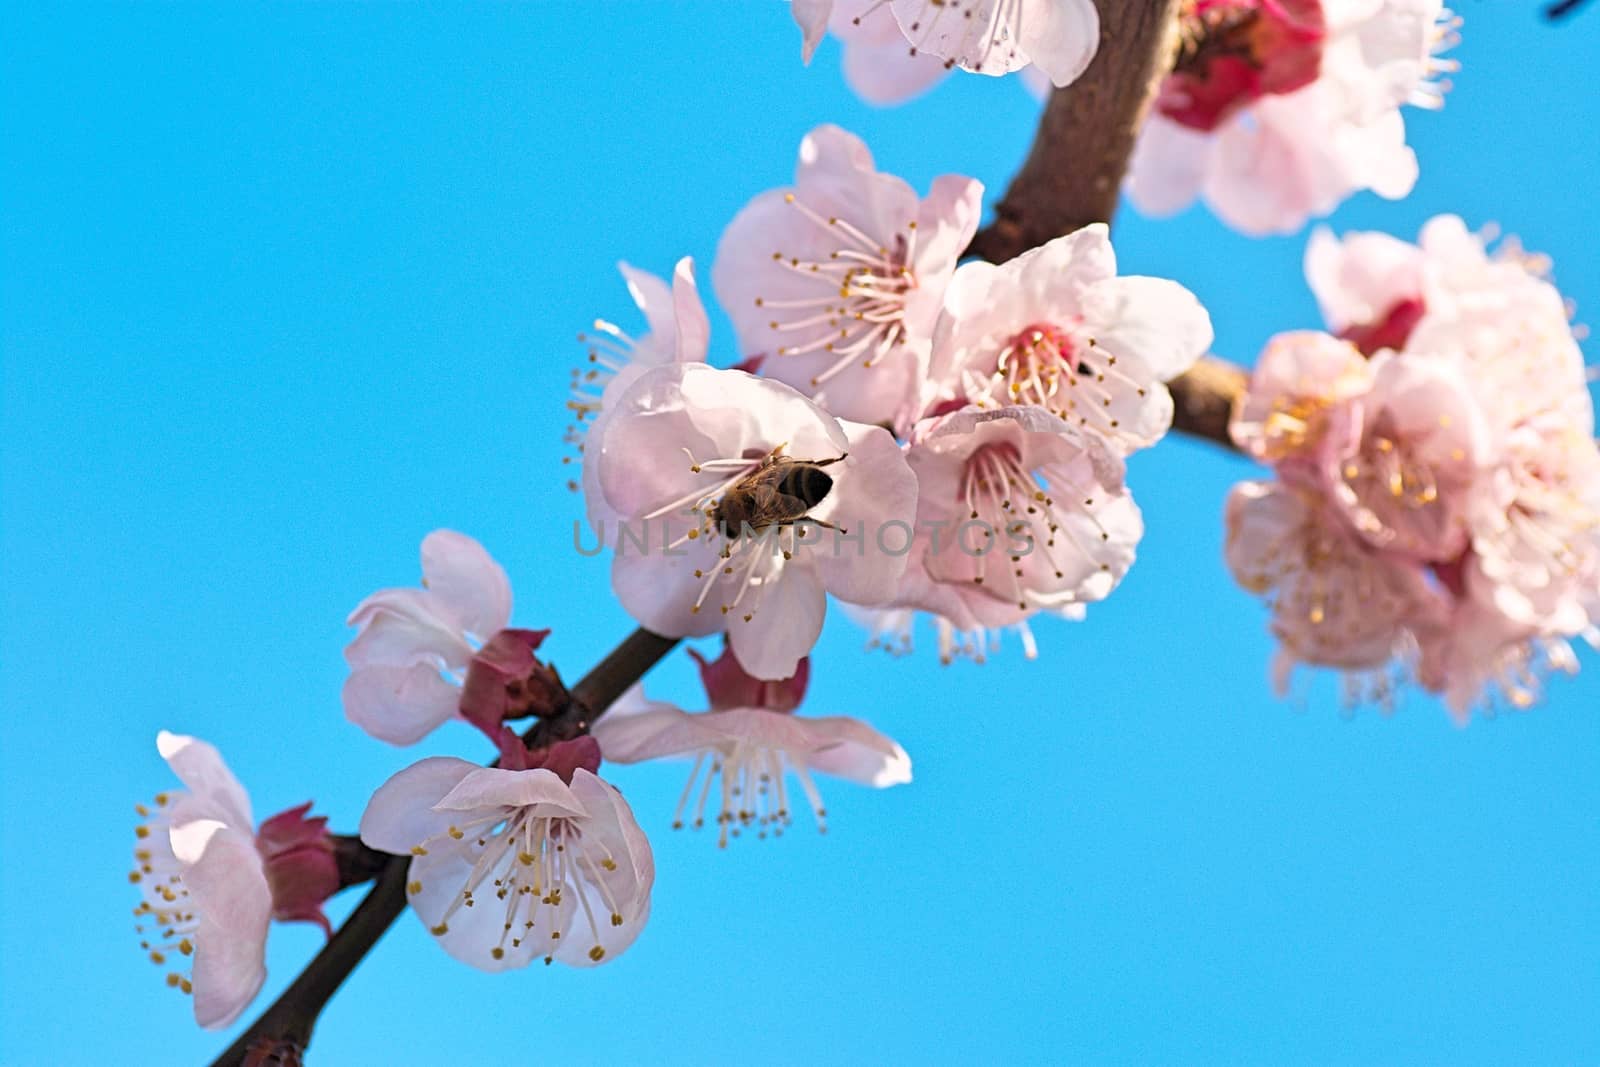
286	286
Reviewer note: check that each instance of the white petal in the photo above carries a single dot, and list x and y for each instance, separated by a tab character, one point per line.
472	934
400	627
889	73
877	503
859	753
631	733
1158	321
1061	37
1168	167
692	327
812	18
788	623
495	787
400	814
231	894
400	705
188	839
466	581
213	788
652	296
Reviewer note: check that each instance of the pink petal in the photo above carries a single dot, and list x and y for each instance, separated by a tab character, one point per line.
772	642
233	899
468	584
1060	37
400	705
858	752
213	789
492	787
400	814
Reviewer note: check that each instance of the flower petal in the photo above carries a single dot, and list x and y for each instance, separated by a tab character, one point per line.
400	814
1060	37
466	582
858	752
1156	321
771	643
494	787
213	788
400	705
231	895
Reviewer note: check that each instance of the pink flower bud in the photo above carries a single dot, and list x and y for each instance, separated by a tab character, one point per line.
1390	330
729	686
506	681
562	758
298	858
1237	51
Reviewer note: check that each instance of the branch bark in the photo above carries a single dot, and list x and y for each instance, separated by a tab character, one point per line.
1073	174
1203	399
284	1029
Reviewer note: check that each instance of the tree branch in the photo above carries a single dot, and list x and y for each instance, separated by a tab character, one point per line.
284	1029
1073	174
1203	399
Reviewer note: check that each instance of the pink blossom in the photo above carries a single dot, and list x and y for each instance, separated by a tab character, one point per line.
1017	513
1335	601
681	439
1279	110
897	48
1057	328
1299	412
679	332
1411	481
212	885
1462	452
837	280
751	747
416	647
511	865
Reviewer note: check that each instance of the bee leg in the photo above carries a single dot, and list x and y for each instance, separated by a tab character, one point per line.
829	462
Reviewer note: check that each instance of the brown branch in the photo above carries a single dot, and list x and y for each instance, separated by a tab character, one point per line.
1074	172
1203	399
285	1027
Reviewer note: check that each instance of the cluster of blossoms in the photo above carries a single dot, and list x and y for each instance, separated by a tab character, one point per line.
534	857
903	433
1436	506
895	49
1275	111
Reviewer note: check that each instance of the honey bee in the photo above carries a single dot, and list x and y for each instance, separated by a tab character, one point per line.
779	492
